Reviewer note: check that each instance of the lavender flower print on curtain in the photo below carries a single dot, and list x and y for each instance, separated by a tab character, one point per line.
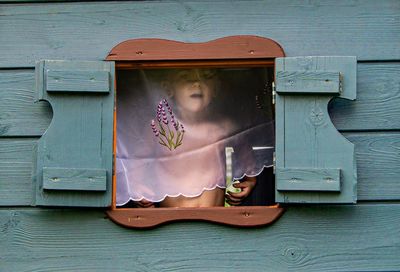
170	137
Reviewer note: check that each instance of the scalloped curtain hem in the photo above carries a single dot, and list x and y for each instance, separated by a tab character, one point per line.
195	195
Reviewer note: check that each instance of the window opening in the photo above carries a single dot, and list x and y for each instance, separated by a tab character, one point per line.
184	135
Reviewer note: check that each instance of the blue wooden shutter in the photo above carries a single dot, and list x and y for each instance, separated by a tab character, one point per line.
314	162
74	156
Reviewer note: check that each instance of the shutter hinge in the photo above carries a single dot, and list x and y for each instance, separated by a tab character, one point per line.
340	82
273	163
273	93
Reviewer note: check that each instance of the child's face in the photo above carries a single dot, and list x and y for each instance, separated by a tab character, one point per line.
193	89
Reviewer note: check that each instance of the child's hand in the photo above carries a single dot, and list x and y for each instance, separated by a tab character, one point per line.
247	185
144	204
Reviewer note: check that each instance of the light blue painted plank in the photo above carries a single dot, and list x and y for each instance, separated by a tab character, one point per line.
74	179
323	82
289	179
80	136
16	164
376	108
377	157
378	100
77	31
378	161
346	238
19	115
77	81
310	139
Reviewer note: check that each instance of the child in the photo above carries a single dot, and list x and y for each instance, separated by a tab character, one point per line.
193	174
193	91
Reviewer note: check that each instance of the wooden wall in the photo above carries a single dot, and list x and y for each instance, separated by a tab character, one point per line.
362	237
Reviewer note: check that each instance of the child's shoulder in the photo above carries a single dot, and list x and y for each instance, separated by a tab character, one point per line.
222	126
227	124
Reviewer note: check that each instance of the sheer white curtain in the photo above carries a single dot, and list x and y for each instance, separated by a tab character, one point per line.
173	126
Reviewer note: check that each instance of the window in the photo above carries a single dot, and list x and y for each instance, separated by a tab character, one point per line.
314	164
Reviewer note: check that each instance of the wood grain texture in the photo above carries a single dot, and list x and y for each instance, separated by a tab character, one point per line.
292	179
378	100
345	238
376	107
308	82
377	154
78	31
19	115
74	179
16	163
378	161
78	81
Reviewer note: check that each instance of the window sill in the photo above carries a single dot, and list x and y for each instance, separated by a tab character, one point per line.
246	216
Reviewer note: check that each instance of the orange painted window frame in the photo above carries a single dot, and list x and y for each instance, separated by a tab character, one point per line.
237	51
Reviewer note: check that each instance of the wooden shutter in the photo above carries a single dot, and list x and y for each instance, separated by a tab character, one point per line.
314	162
74	157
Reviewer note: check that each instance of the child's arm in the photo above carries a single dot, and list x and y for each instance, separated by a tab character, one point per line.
247	185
